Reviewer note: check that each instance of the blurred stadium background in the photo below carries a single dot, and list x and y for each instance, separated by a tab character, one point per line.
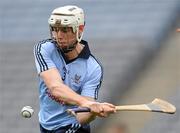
135	40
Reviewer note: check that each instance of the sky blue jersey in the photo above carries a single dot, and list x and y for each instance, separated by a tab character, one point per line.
83	75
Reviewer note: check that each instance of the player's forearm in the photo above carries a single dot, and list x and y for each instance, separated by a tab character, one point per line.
85	118
68	96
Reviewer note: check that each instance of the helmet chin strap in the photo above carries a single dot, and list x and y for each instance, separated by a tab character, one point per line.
69	48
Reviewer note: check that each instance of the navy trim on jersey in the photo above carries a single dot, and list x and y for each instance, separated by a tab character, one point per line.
101	79
39	61
43	65
38	57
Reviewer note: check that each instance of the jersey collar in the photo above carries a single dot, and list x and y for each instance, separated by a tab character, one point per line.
85	53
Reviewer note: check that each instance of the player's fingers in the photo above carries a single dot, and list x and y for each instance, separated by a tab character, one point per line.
104	114
109	104
102	109
109	108
97	109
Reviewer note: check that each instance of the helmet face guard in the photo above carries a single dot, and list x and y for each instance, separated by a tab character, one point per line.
63	21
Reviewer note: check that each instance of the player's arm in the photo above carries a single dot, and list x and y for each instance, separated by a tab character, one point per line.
59	90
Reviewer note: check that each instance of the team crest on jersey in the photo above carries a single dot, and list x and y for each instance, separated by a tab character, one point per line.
76	78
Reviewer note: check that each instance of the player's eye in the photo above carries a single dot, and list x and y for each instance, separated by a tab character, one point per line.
54	29
64	29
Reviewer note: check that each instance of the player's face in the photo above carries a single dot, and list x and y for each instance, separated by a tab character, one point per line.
64	36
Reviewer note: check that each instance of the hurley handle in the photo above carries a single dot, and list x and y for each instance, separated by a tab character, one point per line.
74	111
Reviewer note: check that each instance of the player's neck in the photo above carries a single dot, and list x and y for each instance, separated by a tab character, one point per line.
75	52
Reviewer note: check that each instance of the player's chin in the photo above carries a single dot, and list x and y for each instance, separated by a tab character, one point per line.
63	44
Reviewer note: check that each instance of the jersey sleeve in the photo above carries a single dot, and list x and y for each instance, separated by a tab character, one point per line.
42	57
93	83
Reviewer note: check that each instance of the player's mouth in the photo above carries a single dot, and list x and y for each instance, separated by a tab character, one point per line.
62	43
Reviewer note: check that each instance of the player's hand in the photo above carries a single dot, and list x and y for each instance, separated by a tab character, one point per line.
100	109
107	109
